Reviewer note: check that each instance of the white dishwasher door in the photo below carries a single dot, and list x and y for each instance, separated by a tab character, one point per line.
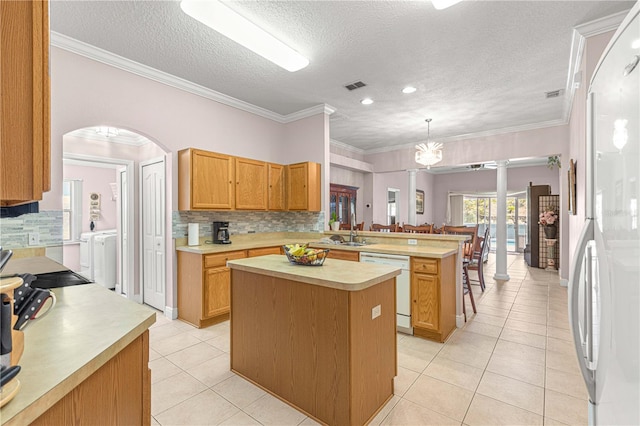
403	286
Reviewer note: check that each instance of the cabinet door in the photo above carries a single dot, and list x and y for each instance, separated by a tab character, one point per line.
24	105
303	186
425	306
251	184
211	180
216	299
276	187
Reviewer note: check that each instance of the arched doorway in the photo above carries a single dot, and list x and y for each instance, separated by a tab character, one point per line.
109	162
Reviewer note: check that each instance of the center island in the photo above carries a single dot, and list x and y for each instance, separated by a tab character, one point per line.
321	338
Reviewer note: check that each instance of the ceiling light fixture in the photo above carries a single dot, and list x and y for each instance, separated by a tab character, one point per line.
635	44
620	133
366	101
409	89
443	4
107	132
227	22
430	153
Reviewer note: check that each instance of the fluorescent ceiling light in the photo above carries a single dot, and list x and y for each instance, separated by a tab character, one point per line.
366	101
227	22
443	4
409	89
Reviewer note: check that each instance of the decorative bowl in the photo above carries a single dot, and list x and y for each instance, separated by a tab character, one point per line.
315	258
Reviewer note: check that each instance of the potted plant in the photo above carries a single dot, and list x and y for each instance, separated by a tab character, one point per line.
333	222
548	220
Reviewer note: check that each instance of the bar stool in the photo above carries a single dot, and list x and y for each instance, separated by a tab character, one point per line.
466	289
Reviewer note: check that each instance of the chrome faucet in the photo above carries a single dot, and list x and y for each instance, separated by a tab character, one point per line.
353	233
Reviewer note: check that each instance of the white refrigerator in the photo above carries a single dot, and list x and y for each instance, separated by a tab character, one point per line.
604	286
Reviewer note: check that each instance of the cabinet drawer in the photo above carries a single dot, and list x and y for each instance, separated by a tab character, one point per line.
216	260
427	266
264	251
344	255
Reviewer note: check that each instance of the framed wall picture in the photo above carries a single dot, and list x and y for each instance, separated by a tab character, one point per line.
419	201
571	181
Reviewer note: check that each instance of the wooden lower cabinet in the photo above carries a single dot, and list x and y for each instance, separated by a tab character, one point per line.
118	393
203	286
433	297
344	255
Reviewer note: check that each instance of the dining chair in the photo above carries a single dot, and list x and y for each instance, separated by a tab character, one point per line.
422	229
384	228
466	289
470	246
347	226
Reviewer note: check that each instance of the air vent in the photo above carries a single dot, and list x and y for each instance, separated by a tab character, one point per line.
356	85
476	166
553	94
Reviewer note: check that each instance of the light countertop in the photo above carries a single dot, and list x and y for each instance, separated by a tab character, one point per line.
390	243
87	327
334	273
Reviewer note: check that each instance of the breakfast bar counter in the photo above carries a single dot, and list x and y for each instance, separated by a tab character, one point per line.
321	338
85	361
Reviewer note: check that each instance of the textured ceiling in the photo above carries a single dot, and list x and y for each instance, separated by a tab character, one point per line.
478	66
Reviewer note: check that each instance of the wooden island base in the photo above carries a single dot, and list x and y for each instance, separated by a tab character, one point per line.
315	347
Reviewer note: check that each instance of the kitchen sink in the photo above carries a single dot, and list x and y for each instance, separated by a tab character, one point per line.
353	244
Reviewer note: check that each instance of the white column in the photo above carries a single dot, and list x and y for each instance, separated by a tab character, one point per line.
501	225
411	219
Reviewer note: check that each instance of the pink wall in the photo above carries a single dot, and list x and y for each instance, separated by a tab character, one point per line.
518	179
400	180
531	143
86	93
95	179
577	143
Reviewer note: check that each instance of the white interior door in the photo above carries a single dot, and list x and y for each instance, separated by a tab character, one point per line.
153	246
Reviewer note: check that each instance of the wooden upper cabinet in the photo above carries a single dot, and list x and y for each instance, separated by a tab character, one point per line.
25	161
303	186
276	187
251	184
205	180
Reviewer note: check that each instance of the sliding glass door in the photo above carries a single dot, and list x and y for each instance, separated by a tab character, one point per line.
482	210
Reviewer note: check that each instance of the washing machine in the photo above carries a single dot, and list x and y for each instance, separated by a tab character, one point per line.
104	256
87	252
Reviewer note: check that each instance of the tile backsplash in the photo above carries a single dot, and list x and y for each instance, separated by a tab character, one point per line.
14	231
245	222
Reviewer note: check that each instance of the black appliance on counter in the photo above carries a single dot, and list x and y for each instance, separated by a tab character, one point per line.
221	233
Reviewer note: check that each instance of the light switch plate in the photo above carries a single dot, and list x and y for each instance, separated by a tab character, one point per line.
376	311
412	242
34	238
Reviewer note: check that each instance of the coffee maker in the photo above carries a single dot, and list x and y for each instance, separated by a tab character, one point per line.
221	233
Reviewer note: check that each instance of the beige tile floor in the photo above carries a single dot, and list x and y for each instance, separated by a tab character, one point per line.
512	364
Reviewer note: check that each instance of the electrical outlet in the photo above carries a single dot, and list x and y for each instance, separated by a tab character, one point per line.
412	242
34	238
376	311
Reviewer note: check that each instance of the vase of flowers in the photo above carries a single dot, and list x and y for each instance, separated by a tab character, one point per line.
548	220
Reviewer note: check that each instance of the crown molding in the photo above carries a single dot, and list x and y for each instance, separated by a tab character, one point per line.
100	55
347	147
487	133
601	25
314	110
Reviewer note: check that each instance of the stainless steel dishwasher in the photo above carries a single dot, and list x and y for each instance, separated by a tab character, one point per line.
403	286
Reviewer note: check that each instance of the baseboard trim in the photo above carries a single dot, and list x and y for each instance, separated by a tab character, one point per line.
171	313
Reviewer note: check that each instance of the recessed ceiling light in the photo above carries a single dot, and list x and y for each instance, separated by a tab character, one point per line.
636	44
366	101
227	22
409	89
443	4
